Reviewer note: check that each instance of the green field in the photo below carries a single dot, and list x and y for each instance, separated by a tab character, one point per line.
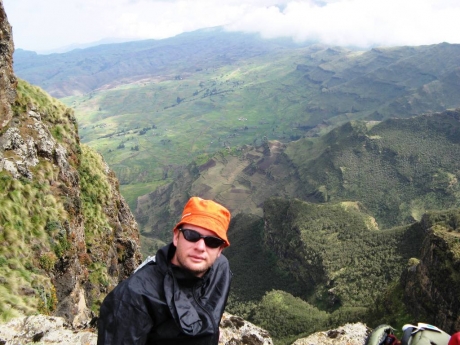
145	129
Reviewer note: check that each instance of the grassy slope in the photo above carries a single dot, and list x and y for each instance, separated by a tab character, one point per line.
26	254
231	114
336	251
31	218
39	217
424	291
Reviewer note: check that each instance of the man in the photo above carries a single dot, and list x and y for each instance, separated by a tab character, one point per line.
180	296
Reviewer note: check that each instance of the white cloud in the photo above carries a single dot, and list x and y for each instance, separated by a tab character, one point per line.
359	22
41	25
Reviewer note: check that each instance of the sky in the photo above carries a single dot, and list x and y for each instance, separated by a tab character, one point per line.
47	25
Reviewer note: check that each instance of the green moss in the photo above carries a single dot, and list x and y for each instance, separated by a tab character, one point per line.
31	96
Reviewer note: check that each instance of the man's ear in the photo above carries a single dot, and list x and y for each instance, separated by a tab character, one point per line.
175	237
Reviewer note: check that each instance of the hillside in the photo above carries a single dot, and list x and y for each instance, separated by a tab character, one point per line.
430	285
396	169
193	95
67	235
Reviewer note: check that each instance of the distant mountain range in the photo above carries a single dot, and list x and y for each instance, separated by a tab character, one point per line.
151	106
81	71
75	46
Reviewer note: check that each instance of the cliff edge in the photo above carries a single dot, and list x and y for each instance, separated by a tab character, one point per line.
67	235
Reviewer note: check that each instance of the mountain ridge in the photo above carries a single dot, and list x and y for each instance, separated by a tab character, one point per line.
131	60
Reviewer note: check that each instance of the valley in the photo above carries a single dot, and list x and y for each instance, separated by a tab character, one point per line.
200	93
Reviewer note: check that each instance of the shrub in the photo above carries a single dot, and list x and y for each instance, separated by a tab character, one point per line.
47	261
47	300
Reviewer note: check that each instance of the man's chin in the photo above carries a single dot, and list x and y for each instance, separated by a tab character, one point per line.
197	270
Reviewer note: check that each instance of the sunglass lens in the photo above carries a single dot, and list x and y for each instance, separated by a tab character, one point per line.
213	242
195	236
191	235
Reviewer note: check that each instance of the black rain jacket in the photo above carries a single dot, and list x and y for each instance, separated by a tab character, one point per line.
162	304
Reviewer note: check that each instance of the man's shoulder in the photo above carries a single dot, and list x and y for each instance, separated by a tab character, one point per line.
150	260
159	261
145	278
221	264
147	270
222	260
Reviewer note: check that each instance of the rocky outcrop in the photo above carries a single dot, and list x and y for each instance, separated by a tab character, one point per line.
234	330
431	284
349	334
43	329
54	330
63	221
26	148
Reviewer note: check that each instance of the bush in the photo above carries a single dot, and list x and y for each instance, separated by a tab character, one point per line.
47	261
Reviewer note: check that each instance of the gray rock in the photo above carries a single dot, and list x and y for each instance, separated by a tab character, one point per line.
12	139
235	330
9	166
349	334
47	330
43	329
34	115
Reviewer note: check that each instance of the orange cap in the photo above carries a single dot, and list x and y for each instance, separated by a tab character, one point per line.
207	214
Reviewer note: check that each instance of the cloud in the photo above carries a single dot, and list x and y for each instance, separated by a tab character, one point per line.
360	23
40	25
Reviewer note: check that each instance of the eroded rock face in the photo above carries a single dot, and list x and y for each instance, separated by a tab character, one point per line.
8	80
43	329
431	286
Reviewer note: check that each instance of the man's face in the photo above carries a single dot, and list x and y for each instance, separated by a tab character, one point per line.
194	256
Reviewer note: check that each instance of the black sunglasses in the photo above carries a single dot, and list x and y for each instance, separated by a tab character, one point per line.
195	236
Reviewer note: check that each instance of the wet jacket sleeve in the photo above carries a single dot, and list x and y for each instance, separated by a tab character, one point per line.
123	319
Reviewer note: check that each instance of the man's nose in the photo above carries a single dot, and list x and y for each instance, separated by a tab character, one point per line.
200	244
